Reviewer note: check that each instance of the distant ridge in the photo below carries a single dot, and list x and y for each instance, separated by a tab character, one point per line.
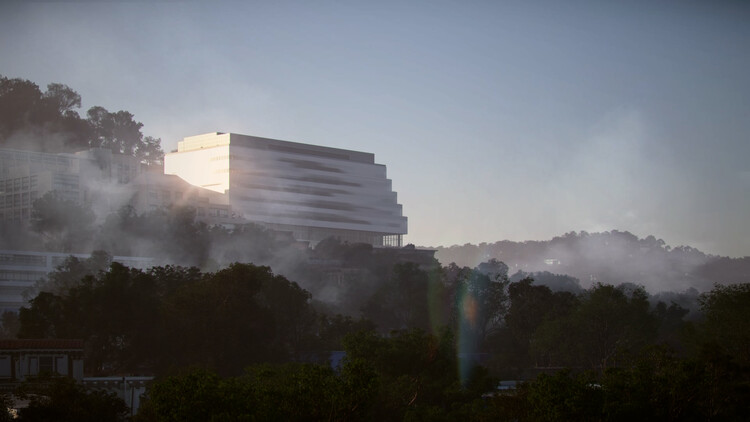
612	257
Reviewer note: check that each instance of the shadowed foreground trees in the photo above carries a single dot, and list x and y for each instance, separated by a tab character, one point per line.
64	400
410	375
63	224
170	318
656	386
135	321
727	321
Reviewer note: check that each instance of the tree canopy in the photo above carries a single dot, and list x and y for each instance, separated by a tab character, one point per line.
253	334
48	121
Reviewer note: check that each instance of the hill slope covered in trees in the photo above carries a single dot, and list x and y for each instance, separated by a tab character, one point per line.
610	257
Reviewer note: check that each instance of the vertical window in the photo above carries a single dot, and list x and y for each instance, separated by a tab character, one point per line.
5	367
61	365
33	366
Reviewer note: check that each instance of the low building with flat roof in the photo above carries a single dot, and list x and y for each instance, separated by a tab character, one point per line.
21	359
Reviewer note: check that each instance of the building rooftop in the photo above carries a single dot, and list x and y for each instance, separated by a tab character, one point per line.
41	344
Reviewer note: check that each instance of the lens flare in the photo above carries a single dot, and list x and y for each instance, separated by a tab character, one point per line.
466	338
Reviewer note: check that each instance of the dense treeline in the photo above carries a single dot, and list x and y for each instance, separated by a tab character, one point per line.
408	376
429	344
148	321
520	323
48	121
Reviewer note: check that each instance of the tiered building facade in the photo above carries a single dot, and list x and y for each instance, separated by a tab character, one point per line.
314	192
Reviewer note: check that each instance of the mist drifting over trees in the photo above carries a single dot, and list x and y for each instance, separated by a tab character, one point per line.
245	323
610	257
429	343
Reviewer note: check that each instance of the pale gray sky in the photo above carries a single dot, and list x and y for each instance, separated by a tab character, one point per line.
497	120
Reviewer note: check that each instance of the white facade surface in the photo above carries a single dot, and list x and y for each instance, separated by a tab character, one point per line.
313	191
90	177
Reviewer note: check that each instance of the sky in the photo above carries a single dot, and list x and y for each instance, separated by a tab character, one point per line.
496	119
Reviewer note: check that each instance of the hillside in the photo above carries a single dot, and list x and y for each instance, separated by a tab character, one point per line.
610	257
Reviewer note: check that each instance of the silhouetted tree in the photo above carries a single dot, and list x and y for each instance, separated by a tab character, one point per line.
149	151
727	320
234	317
69	273
65	225
530	307
605	329
10	325
116	131
402	301
48	121
64	400
44	121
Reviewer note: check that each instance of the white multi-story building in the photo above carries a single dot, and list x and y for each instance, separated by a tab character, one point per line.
102	180
314	192
85	177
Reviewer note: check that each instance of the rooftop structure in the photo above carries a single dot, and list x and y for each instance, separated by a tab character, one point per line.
22	359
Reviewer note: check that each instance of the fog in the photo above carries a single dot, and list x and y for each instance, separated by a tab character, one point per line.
609	257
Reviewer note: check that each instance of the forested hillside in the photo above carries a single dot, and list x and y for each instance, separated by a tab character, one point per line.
609	257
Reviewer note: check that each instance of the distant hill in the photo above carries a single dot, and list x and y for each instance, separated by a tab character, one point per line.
613	257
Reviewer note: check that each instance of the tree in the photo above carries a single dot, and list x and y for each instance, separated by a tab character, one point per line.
39	120
116	312
288	392
172	235
414	371
116	131
531	306
727	320
69	273
402	301
65	225
149	151
119	132
184	239
63	400
564	396
62	98
481	303
333	329
605	329
18	100
194	395
237	316
10	325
